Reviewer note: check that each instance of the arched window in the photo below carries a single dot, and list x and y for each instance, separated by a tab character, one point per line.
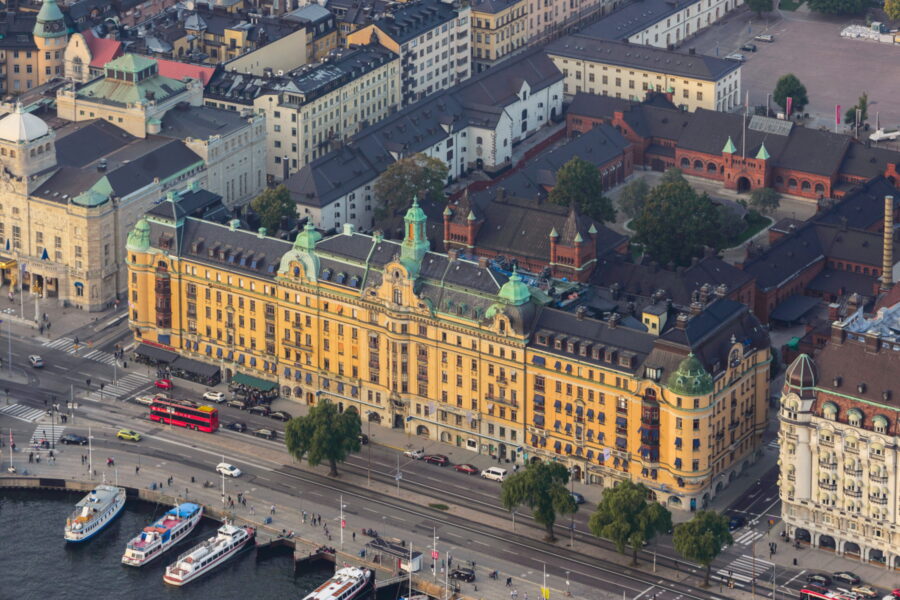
830	411
855	417
805	186
880	423
792	183
685	163
820	189
711	168
698	165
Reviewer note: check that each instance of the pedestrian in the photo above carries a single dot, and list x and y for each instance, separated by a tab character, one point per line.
525	596
137	469
272	510
48	326
509	582
252	510
304	517
31	457
124	365
354	536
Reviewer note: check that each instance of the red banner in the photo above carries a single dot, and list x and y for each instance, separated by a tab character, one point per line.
837	114
790	101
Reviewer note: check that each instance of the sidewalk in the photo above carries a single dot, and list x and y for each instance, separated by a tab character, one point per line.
21	311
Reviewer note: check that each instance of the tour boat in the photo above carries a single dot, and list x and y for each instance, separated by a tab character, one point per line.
162	535
94	512
213	552
347	583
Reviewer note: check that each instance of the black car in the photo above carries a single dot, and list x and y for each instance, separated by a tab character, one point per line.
268	434
237	426
235	403
467	575
749	47
71	438
260	409
736	522
814	587
280	415
363	439
847	577
819	579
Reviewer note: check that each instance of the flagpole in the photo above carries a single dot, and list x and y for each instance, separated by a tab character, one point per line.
11	467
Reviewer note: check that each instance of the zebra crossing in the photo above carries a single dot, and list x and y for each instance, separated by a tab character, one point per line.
49	433
22	412
748	537
744	569
121	388
65	344
773	444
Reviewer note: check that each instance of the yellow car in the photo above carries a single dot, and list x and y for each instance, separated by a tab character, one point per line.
128	434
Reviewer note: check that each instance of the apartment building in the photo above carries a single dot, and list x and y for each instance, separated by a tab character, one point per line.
31	47
550	18
623	70
431	37
448	349
499	28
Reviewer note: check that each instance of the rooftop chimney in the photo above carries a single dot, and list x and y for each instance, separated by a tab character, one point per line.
873	342
453	254
261	233
838	333
887	259
613	320
681	321
234	224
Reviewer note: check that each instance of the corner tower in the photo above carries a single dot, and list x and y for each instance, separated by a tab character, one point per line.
415	241
50	36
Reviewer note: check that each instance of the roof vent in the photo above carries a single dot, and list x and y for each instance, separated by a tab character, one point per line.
861	388
886	395
234	224
261	233
837	381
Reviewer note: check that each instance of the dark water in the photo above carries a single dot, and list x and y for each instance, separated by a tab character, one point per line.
36	564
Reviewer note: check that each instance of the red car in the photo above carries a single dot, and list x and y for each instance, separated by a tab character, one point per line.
437	459
164	384
466	468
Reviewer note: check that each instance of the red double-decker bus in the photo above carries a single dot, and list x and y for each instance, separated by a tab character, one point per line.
807	594
185	413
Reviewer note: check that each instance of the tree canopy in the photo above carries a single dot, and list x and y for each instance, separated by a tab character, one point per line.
627	518
633	196
789	86
676	223
765	200
863	105
324	435
837	7
760	6
272	205
578	183
702	538
542	488
417	175
892	8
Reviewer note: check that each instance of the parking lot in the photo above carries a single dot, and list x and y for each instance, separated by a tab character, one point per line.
833	69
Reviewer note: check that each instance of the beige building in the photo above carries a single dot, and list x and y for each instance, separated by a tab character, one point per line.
549	18
31	48
499	28
621	70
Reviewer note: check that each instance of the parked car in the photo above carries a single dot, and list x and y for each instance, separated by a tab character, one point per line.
764	37
737	56
736	522
228	469
363	439
268	434
164	384
866	591
36	361
237	426
813	587
235	403
217	397
463	574
71	438
494	474
128	434
437	459
416	454
260	409
819	578
466	468
847	577
749	47
578	498
280	415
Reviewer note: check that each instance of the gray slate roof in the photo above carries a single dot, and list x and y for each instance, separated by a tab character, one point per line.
411	19
635	17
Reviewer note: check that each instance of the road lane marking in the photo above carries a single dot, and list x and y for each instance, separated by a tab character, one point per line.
644	592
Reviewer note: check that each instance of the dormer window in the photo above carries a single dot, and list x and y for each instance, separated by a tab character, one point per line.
855	417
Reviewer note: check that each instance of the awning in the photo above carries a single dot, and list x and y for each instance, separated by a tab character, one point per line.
793	308
154	353
189	365
254	382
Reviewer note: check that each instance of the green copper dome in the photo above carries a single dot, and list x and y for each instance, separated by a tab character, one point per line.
306	239
50	21
514	291
690	378
139	237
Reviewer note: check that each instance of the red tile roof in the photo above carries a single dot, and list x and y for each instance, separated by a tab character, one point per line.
179	70
102	50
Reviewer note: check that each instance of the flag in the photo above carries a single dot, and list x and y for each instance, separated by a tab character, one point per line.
837	114
45	255
545	592
788	104
343	523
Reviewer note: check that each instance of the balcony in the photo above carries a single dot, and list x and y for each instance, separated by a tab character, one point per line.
851	493
882	500
503	401
824	464
878	478
826	485
295	343
853	472
650	420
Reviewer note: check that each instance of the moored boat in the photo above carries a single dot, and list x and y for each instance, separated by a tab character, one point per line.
94	512
201	559
347	583
155	539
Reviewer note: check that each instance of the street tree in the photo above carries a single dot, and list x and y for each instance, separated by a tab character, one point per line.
863	106
676	223
418	175
837	7
578	183
272	206
760	6
627	518
324	435
702	538
789	86
892	8
633	196
731	223
765	200
671	175
542	488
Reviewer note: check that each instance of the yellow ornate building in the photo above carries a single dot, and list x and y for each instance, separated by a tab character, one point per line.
451	350
32	48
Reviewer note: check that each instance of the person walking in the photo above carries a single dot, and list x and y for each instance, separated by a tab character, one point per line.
252	510
272	510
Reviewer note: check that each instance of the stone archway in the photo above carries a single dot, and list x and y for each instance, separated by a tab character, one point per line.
374	417
720	486
674	501
743	184
535	460
802	535
826	542
421	430
877	556
852	549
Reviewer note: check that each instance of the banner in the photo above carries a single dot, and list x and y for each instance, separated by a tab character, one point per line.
545	593
790	102
837	114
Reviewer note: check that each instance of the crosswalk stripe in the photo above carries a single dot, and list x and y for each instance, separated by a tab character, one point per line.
122	387
51	433
22	412
748	537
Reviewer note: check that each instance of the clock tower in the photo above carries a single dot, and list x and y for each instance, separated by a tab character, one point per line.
50	37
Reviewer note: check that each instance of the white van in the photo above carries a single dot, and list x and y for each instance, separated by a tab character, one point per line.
494	473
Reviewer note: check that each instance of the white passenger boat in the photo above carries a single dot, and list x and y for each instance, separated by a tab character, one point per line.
213	552
94	512
155	539
347	583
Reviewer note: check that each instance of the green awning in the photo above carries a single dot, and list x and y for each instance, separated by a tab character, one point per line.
254	382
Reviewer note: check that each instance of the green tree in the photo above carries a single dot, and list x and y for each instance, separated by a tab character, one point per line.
324	435
863	105
702	538
676	223
892	8
837	7
627	518
633	196
542	488
731	224
765	200
578	183
272	206
760	6
672	174
417	175
789	86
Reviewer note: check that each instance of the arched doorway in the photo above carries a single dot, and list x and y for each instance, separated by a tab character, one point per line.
657	165
398	421
421	430
535	460
374	417
876	555
446	437
576	473
851	549
720	486
802	535
674	501
826	542
705	500
743	185
502	451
